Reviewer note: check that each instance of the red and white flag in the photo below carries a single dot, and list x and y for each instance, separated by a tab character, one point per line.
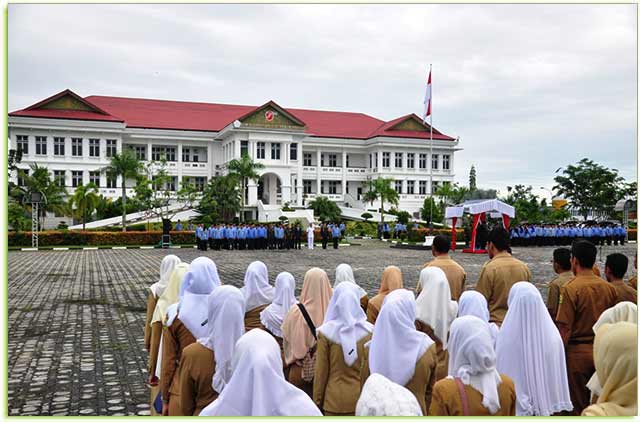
427	99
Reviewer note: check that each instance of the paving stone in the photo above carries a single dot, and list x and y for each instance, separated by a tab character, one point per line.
76	318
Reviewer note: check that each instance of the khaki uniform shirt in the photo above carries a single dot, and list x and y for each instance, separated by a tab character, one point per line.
442	355
582	300
454	272
496	278
336	386
633	282
372	312
151	306
154	347
252	318
175	339
446	399
421	384
196	374
554	292
625	292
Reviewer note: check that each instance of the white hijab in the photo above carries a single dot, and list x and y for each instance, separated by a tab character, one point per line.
225	325
345	322
381	397
257	386
344	273
170	296
473	359
434	304
396	345
167	265
530	351
474	303
256	290
273	315
201	279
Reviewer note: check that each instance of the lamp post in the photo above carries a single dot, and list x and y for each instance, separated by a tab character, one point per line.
36	198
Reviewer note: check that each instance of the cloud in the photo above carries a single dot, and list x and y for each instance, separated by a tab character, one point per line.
528	88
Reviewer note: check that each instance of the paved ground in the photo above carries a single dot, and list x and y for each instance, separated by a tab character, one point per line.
76	317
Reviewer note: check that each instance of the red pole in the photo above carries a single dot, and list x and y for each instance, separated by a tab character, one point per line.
476	219
453	233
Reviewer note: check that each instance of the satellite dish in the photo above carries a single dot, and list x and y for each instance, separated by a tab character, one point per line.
237	124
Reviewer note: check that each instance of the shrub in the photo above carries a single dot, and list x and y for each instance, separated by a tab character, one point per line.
94	238
419	234
366	216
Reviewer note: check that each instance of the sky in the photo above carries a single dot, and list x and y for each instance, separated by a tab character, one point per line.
527	88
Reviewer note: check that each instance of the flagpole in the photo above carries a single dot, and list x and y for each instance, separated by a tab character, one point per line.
431	154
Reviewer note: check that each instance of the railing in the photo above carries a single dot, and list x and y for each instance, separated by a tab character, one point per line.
333	197
332	169
194	165
309	169
356	170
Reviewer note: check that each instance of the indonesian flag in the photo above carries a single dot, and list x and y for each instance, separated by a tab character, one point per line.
427	100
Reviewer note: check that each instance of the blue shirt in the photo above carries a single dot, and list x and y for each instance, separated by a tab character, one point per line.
335	232
198	232
179	227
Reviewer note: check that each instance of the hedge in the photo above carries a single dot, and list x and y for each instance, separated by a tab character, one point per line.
93	238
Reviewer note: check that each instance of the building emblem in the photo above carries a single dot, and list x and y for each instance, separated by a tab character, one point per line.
269	115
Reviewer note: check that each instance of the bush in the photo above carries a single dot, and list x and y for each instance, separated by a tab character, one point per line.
633	234
94	238
361	228
366	216
419	234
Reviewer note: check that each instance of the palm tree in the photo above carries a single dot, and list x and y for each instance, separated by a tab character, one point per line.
370	195
40	181
127	166
381	189
86	200
244	169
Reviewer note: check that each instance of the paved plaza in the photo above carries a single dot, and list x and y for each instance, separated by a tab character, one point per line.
76	317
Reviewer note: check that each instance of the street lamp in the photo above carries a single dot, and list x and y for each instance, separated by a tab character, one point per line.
548	190
36	198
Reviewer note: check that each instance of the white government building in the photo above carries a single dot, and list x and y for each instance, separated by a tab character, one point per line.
306	153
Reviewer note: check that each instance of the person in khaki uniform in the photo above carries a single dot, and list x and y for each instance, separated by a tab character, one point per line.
344	273
391	280
614	269
456	275
399	352
340	352
258	294
474	386
205	366
562	267
582	300
176	338
498	275
633	281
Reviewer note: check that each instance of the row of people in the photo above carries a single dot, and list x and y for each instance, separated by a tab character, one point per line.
565	234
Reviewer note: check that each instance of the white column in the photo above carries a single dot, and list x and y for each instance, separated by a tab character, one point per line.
179	164
252	199
379	160
286	192
318	169
344	173
149	148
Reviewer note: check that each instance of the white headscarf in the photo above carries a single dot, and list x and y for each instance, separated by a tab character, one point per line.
473	359
225	325
345	322
273	315
474	303
434	305
381	397
257	386
169	297
167	265
256	290
530	351
396	345
344	272
621	312
201	279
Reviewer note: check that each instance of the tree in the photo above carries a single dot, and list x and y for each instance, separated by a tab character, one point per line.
590	186
325	209
39	180
381	189
126	166
526	204
17	216
472	178
366	216
244	169
403	217
84	200
220	200
427	205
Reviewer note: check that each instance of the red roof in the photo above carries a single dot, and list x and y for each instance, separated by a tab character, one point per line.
181	115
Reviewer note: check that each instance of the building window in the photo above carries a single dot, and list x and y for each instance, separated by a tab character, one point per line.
434	162
307	159
398	186
159	153
200	182
275	151
260	150
422	187
185	154
398	160
58	146
445	162
386	159
22	142
94	147
333	160
347	163
94	177
76	147
58	177
423	161
171	183
111	147
244	148
196	156
333	187
435	186
293	152
76	178
410	186
375	161
306	186
446	183
370	161
411	160
41	145
111	182
22	175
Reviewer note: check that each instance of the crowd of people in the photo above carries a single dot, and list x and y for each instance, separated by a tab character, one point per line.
265	236
441	350
565	234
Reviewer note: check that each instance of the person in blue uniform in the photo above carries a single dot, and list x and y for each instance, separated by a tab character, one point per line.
335	234
199	237
324	235
179	226
297	236
205	238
